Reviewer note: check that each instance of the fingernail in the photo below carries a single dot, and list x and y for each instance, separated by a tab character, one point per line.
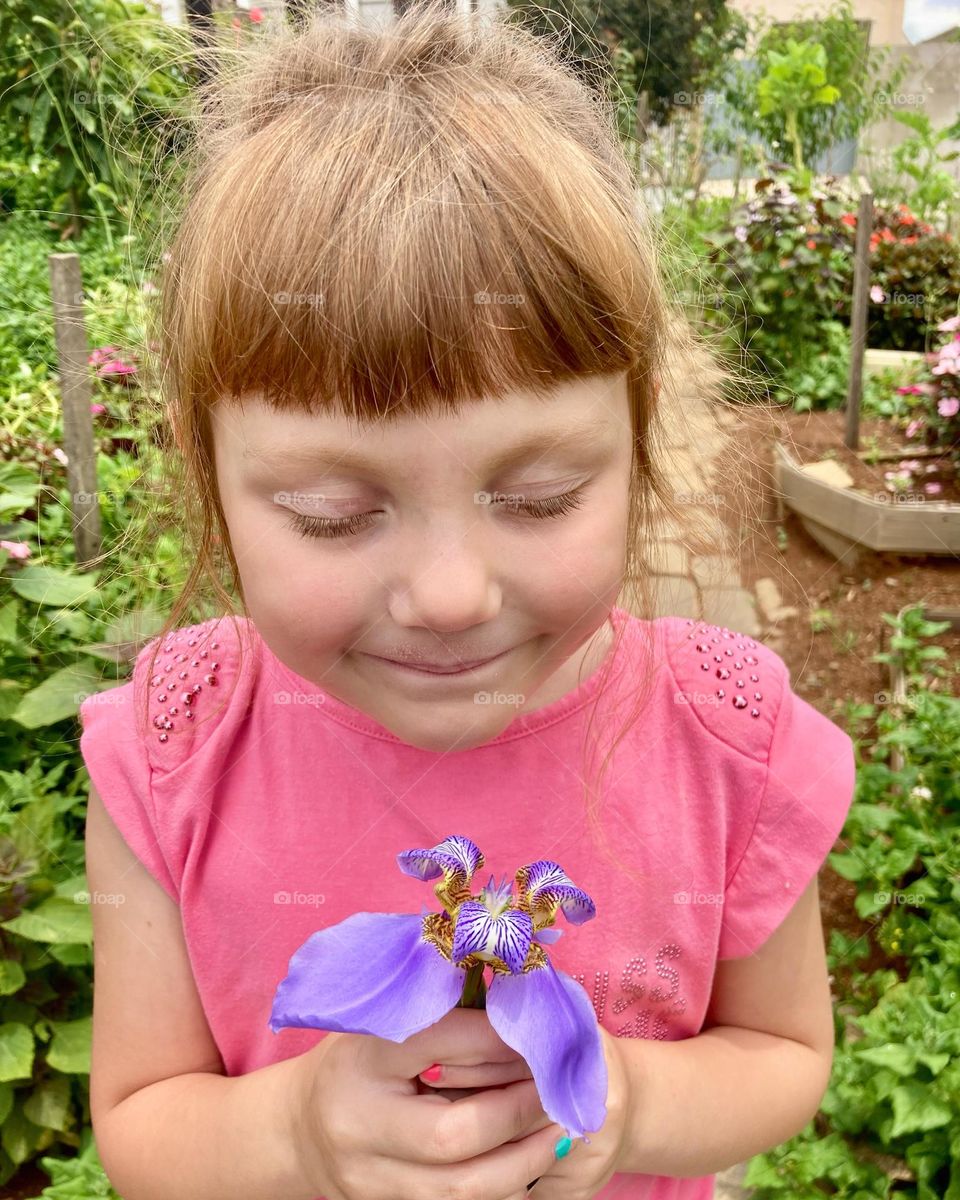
432	1074
562	1148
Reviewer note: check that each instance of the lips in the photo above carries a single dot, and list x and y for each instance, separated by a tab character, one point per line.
440	668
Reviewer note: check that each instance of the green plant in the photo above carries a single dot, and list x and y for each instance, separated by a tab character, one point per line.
933	190
79	1177
92	87
889	1124
792	82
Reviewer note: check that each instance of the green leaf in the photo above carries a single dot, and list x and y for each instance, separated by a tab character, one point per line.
12	977
59	696
16	1051
916	1108
898	1058
8	622
6	1100
55	920
48	585
69	1049
39	117
19	1136
49	1104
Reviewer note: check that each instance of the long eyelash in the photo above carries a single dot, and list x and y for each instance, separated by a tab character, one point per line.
334	527
327	527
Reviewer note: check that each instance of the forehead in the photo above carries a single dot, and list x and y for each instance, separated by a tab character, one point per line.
584	414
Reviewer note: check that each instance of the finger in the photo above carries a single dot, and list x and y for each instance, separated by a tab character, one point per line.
434	1131
502	1172
489	1074
464	1036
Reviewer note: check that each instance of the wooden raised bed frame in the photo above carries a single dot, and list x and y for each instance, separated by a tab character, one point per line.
845	521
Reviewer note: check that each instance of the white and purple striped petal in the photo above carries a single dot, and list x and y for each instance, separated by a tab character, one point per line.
505	935
455	856
547	887
372	973
548	1019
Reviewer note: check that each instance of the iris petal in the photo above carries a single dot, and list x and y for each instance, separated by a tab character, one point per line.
548	1019
372	973
506	935
454	856
548	887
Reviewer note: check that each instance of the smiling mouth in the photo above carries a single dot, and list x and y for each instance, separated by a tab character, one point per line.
434	669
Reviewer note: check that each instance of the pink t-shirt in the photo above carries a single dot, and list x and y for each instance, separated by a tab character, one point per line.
276	809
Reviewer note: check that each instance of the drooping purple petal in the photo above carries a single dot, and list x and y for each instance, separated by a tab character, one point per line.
506	934
548	1019
372	973
454	856
548	936
548	887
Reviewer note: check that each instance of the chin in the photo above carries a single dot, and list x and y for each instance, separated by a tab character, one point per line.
450	732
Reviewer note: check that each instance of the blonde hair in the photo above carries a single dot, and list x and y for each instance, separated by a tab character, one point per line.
349	192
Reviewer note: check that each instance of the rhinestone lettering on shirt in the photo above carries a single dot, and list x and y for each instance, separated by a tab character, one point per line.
652	1020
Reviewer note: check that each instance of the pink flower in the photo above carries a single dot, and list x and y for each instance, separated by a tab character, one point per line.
911	464
932	489
256	15
97	409
948	359
877	294
913	390
60	456
951	325
114	367
16	549
949	406
914	427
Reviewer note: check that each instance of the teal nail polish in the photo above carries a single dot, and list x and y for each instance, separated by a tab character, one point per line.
562	1148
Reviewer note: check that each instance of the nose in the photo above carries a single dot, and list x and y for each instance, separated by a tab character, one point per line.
448	585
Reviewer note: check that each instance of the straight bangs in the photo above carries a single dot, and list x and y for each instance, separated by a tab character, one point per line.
377	224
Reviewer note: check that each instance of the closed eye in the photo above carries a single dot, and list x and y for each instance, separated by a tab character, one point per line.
336	527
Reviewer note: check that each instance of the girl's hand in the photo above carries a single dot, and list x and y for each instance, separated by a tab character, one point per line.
364	1130
587	1167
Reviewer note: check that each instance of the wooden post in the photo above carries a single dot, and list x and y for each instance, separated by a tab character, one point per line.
858	313
75	393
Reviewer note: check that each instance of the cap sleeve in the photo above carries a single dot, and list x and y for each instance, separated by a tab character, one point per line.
115	754
807	794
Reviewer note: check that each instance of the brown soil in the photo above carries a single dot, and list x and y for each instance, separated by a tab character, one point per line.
829	645
816	435
28	1182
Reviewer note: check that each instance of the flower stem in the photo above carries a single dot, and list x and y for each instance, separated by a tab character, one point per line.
474	989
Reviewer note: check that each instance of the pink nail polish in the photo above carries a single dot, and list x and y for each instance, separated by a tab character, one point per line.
431	1074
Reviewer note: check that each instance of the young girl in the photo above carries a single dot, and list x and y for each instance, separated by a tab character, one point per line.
413	336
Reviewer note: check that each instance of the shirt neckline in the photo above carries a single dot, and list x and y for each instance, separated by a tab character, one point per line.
523	725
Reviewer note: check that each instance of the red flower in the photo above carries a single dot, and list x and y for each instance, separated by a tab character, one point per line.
256	15
811	244
849	218
907	241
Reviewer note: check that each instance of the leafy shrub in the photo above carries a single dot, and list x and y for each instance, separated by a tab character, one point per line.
889	1123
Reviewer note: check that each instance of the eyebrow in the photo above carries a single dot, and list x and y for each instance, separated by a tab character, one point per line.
565	437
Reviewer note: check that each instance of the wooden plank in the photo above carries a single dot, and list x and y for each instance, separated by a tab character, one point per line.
924	527
75	393
858	314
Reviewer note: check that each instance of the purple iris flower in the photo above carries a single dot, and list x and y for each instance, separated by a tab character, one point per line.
393	974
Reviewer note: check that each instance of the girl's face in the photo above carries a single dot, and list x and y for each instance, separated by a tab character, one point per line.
498	534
